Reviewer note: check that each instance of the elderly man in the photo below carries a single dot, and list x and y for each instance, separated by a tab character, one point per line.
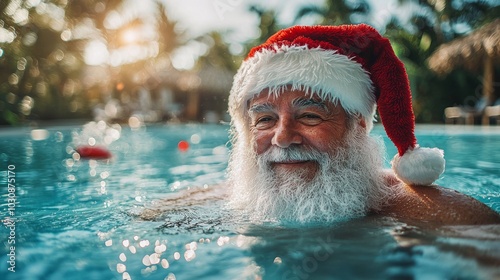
302	106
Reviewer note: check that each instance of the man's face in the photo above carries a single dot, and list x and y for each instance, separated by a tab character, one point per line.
309	162
296	119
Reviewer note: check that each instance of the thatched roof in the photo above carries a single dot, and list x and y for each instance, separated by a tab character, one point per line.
216	80
207	79
469	51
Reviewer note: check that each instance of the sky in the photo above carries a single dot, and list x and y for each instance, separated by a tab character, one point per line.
201	16
230	17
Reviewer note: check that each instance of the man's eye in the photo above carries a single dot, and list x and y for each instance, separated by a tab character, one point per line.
310	116
310	119
264	122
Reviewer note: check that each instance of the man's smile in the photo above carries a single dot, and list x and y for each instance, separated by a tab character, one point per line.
310	167
290	162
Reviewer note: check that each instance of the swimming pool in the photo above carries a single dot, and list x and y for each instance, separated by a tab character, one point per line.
83	219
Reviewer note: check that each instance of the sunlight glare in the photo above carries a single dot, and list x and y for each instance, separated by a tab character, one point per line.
132	53
66	35
132	249
21	17
154	258
165	264
183	60
39	134
125	243
113	20
6	36
120	268
130	36
32	3
96	53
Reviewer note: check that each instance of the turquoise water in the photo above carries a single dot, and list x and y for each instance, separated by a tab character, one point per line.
81	219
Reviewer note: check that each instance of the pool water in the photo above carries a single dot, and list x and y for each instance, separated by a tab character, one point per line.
84	219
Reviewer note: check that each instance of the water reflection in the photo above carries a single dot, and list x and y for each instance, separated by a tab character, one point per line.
151	257
66	201
39	134
386	248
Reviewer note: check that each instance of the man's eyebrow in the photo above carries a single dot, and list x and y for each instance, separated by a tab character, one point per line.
262	107
307	102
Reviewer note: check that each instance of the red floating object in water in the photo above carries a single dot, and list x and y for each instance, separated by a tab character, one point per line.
91	152
183	146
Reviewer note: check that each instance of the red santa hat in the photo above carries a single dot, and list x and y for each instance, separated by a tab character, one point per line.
350	64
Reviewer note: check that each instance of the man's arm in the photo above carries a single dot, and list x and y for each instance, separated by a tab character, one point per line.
439	206
184	198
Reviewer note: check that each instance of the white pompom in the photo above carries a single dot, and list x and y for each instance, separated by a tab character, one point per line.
420	166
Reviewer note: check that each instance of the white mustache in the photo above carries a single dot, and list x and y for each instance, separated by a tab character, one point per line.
292	153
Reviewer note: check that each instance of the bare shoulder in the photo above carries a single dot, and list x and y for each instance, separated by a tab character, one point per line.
185	198
438	205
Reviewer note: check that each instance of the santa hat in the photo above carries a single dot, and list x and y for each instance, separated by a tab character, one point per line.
350	64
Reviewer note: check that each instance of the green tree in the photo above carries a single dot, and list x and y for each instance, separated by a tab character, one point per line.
433	23
42	55
129	75
218	54
169	36
336	12
268	24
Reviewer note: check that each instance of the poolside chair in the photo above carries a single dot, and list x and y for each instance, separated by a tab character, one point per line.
492	112
454	115
465	114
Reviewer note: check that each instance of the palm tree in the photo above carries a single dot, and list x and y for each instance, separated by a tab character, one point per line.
218	54
433	23
42	58
40	61
268	25
335	12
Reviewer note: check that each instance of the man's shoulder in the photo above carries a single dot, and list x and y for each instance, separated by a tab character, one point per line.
439	205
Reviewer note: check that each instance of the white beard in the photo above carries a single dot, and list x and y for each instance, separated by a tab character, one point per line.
349	183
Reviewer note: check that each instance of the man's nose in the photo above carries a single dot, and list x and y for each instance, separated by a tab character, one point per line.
286	133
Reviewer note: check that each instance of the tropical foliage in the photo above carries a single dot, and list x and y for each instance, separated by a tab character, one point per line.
52	51
433	23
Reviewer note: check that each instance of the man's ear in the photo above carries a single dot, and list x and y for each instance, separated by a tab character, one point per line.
362	122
